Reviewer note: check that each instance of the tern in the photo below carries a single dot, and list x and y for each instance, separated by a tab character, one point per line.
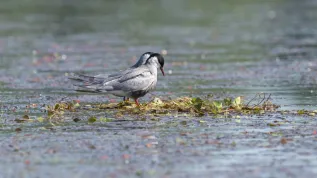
135	82
102	77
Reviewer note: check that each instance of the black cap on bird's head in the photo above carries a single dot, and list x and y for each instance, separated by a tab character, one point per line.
147	53
160	60
142	60
145	56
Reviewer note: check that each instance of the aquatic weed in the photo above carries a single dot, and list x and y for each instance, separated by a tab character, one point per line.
191	106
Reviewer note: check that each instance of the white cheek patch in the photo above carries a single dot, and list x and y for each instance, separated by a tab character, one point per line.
154	61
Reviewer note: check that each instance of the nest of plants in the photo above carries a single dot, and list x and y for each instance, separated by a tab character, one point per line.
193	106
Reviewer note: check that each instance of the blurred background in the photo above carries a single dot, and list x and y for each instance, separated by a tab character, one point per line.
224	48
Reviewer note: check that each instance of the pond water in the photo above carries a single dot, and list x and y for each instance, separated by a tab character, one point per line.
232	48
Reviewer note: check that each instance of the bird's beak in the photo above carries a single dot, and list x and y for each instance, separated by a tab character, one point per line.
162	70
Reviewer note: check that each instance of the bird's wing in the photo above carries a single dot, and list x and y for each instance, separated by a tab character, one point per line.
101	79
86	80
132	73
102	76
138	79
143	81
123	72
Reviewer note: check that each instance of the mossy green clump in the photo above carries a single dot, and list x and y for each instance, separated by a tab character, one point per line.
192	105
56	112
189	106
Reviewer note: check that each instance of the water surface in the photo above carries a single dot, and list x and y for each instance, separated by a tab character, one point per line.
213	47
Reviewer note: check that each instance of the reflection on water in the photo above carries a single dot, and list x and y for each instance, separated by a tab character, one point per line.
225	48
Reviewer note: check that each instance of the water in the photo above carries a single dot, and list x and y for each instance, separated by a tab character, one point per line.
213	47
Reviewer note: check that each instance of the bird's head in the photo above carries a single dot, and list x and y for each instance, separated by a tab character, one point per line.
156	58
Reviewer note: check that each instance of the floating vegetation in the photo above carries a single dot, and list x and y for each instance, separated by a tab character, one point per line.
189	106
194	106
56	113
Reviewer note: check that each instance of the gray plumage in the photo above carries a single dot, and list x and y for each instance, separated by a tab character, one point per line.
134	82
102	77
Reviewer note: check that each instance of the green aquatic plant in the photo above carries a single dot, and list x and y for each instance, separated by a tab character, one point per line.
56	112
189	106
195	106
182	106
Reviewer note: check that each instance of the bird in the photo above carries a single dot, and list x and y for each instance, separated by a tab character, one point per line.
103	77
133	83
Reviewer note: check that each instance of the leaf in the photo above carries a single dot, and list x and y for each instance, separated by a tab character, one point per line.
157	101
76	105
19	120
68	106
92	119
214	110
301	111
227	101
40	119
26	117
272	124
56	107
233	144
105	119
237	101
217	104
50	113
311	114
197	102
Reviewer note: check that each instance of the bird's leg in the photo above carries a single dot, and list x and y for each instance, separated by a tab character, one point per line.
126	99
137	102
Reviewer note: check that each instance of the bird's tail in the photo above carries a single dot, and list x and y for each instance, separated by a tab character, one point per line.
92	84
86	90
81	80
